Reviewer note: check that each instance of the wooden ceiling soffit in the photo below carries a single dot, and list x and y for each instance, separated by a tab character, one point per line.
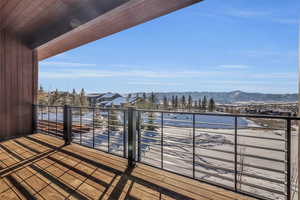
127	15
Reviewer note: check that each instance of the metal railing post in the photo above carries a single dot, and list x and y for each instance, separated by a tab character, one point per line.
194	145
34	118
235	154
67	125
132	136
162	140
139	136
124	134
288	158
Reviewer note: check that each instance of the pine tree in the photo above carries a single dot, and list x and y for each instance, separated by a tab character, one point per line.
199	104
41	90
166	103
211	105
152	100
190	102
144	97
73	97
195	104
183	102
173	102
83	98
204	103
53	98
176	102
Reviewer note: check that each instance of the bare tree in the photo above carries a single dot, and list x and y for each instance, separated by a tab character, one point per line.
241	170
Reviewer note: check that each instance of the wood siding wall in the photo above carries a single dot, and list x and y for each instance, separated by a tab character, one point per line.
18	86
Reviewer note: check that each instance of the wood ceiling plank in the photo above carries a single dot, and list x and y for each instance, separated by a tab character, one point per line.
73	17
32	10
2	3
18	11
50	10
6	10
125	16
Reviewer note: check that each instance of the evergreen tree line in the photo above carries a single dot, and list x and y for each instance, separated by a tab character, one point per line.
189	103
175	102
57	98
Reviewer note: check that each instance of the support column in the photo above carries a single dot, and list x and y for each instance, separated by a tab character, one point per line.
18	86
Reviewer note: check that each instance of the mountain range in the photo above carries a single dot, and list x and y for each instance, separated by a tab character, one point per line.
231	97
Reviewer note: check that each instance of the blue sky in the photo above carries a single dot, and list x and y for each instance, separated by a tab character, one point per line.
216	45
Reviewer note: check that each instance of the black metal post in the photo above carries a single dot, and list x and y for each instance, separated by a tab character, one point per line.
194	145
42	118
131	136
34	118
67	124
124	134
108	131
56	121
162	140
288	158
80	118
48	129
93	127
139	135
235	153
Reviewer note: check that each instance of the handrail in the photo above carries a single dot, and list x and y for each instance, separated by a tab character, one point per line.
178	147
186	112
221	114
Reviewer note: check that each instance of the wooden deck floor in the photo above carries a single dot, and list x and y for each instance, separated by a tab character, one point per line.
40	167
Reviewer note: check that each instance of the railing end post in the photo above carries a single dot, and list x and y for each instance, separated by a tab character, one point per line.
67	124
132	119
34	118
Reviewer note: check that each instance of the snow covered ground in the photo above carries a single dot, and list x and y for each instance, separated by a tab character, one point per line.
214	147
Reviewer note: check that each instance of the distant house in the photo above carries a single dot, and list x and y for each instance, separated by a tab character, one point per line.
101	99
118	102
108	97
122	102
92	98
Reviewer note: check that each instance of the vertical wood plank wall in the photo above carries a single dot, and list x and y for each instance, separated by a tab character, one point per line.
18	86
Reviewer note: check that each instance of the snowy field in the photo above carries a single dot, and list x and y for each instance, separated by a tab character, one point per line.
214	149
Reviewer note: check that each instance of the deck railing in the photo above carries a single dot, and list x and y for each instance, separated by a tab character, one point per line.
248	154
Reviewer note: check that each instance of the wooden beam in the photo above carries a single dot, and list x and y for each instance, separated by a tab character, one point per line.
123	17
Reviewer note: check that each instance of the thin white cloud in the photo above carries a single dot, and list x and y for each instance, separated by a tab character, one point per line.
87	73
234	66
276	76
154	83
286	21
155	75
271	15
247	13
66	64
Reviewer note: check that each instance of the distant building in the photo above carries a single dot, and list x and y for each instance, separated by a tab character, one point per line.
120	102
111	99
108	97
92	98
101	98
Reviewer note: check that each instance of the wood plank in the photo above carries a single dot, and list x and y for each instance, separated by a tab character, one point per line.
70	177
123	17
17	88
